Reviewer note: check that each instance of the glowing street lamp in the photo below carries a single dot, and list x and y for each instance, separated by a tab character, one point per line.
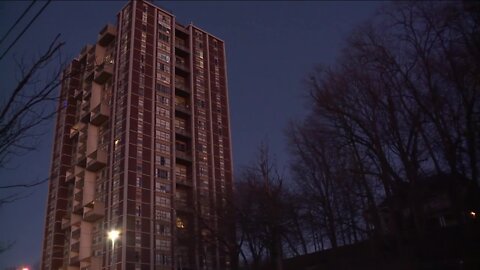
113	235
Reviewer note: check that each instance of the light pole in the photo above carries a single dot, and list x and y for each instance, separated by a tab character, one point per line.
113	235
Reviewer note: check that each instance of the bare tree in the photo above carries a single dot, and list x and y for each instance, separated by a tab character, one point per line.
401	103
266	212
26	108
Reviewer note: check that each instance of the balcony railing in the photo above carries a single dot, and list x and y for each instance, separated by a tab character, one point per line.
107	34
183	67
184	108
103	72
183	206
93	211
99	114
183	132
184	181
182	87
182	47
97	160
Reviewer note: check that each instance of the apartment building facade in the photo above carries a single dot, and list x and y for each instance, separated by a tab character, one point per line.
142	147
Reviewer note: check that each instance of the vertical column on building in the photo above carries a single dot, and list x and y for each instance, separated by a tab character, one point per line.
162	188
221	148
119	143
58	202
184	186
202	142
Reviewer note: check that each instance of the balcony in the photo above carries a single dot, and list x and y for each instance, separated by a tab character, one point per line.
75	233
85	105
85	115
183	206
97	160
99	114
83	135
182	67
78	209
186	156
69	176
106	35
79	183
78	196
89	71
80	160
76	129
78	94
183	108
182	47
75	247
87	93
75	220
93	211
103	72
65	222
183	181
74	260
73	132
181	132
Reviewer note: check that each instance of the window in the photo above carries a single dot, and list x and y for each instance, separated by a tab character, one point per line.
164	188
180	124
181	172
164	161
139	182
163	37
161	173
164	57
180	223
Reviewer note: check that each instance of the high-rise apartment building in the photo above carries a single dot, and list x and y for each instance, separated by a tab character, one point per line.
142	146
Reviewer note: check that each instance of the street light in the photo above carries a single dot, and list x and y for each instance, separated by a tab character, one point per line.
113	235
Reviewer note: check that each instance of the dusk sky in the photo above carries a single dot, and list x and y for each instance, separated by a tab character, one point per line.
271	47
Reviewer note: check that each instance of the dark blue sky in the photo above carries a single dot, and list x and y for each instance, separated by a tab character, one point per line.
271	47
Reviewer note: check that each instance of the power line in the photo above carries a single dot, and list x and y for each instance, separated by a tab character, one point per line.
26	28
18	20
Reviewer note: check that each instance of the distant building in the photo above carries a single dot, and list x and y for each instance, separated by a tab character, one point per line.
142	146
